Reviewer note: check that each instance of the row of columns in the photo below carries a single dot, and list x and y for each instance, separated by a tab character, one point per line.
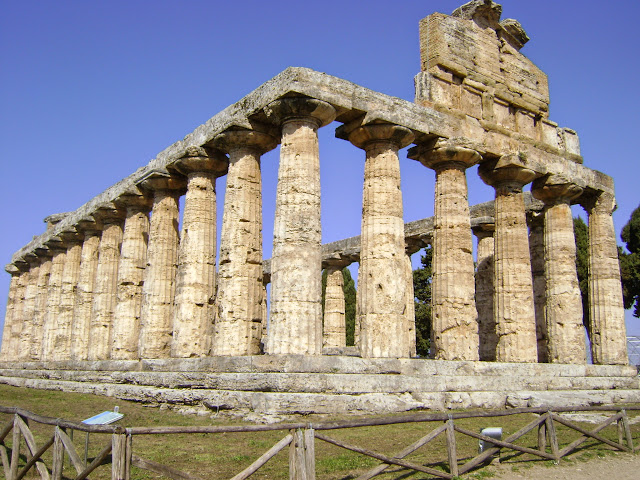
124	286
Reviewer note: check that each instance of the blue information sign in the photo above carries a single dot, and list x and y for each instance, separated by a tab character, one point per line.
104	418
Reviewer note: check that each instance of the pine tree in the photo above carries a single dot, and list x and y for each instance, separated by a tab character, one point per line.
630	263
422	291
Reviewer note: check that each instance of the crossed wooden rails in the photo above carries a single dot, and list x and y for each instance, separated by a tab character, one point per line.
301	441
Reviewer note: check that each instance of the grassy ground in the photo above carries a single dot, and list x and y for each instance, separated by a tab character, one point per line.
223	455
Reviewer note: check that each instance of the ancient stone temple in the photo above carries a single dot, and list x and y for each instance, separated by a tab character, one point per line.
115	298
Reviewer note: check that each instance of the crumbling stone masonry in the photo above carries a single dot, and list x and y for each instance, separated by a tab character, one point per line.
116	281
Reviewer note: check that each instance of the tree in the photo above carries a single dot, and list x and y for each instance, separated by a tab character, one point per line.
630	263
422	291
349	290
581	233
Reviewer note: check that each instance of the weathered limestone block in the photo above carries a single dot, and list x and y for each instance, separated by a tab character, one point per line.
488	337
69	284
28	309
80	325
608	330
54	293
133	259
536	252
382	295
454	315
196	275
158	291
238	324
334	327
513	297
296	266
563	303
106	283
12	270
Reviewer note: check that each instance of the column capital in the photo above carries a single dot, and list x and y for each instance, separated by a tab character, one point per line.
202	159
161	180
32	259
70	237
366	135
286	109
89	225
56	245
599	202
444	154
109	214
554	189
232	140
511	171
54	219
483	226
12	269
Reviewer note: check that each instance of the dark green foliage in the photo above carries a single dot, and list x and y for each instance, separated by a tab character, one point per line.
349	289
422	291
582	265
630	263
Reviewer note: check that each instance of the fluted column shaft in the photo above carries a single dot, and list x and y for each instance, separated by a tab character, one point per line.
382	295
54	293
296	265
513	297
410	313
488	338
334	331
133	260
608	329
80	326
28	311
536	252
5	352
104	293
40	306
68	293
454	314
238	328
158	292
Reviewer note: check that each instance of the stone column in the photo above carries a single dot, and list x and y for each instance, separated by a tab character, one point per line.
334	327
238	327
488	337
296	265
382	295
133	260
16	288
454	315
608	329
40	303
410	312
513	297
81	324
196	276
30	292
104	291
535	221
54	294
563	303
158	291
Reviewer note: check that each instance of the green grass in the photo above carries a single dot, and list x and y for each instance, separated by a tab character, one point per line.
226	454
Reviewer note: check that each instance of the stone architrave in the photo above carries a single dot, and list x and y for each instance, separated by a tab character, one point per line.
28	309
382	293
488	338
133	259
196	276
104	291
40	303
296	266
54	293
536	252
158	291
80	326
14	294
68	292
238	325
334	327
453	308
563	303
606	311
513	297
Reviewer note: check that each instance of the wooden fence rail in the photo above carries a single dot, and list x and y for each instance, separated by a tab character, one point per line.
300	439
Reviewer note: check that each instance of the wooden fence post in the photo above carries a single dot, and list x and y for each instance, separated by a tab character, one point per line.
302	463
553	438
120	456
15	448
452	451
627	429
58	456
542	437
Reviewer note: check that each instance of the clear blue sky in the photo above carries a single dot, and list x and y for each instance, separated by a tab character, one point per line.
92	90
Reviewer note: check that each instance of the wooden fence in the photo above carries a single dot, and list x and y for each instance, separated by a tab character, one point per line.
300	438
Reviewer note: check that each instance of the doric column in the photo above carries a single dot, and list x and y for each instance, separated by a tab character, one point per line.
30	292
40	303
196	277
488	338
54	293
238	327
80	326
16	292
158	291
296	264
454	315
513	297
382	295
563	303
104	291
334	327
535	221
133	259
606	310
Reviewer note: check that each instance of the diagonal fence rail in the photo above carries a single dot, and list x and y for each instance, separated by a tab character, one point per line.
300	439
